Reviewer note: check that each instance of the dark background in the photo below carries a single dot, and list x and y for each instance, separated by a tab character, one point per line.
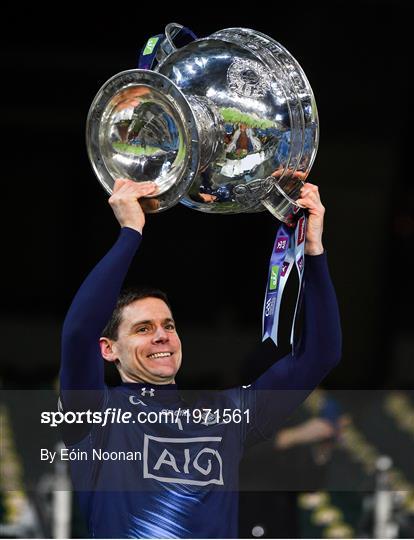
57	223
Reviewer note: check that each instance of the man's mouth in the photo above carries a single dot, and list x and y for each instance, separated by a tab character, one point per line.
160	355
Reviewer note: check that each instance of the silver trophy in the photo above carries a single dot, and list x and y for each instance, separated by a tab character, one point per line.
224	124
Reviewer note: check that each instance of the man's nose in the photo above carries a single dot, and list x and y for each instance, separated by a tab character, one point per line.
161	335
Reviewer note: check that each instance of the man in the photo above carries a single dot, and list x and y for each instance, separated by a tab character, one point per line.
173	478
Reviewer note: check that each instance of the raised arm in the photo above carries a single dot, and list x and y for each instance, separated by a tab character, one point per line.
82	364
290	380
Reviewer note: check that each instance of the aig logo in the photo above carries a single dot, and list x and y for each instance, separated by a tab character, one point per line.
193	460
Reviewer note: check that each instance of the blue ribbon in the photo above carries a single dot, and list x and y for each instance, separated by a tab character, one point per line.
288	251
148	53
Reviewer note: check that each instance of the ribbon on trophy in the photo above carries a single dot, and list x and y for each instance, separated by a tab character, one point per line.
148	54
288	251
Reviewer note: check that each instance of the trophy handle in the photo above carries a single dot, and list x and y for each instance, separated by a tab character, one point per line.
167	45
171	31
281	199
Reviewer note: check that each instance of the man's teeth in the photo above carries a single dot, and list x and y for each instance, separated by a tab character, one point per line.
159	355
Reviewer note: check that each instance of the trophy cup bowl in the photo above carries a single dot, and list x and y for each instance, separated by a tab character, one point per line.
224	124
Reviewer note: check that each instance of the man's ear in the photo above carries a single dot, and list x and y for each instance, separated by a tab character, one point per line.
108	349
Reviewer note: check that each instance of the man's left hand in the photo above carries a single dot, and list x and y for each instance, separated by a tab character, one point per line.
310	199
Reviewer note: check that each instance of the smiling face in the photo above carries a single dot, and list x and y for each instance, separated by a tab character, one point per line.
147	348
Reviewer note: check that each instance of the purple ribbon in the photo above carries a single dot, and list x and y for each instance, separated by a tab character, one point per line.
288	251
278	265
300	234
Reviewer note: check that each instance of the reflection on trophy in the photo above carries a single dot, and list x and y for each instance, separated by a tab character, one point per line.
224	124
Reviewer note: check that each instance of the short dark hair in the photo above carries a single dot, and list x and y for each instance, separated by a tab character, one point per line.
128	296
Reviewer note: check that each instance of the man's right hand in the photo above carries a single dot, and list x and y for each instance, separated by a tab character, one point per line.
125	204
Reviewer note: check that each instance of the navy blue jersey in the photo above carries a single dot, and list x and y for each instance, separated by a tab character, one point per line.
177	478
172	470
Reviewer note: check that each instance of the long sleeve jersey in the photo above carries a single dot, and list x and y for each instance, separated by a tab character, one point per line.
171	471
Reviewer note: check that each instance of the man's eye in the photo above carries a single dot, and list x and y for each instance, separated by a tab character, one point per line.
142	329
170	326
